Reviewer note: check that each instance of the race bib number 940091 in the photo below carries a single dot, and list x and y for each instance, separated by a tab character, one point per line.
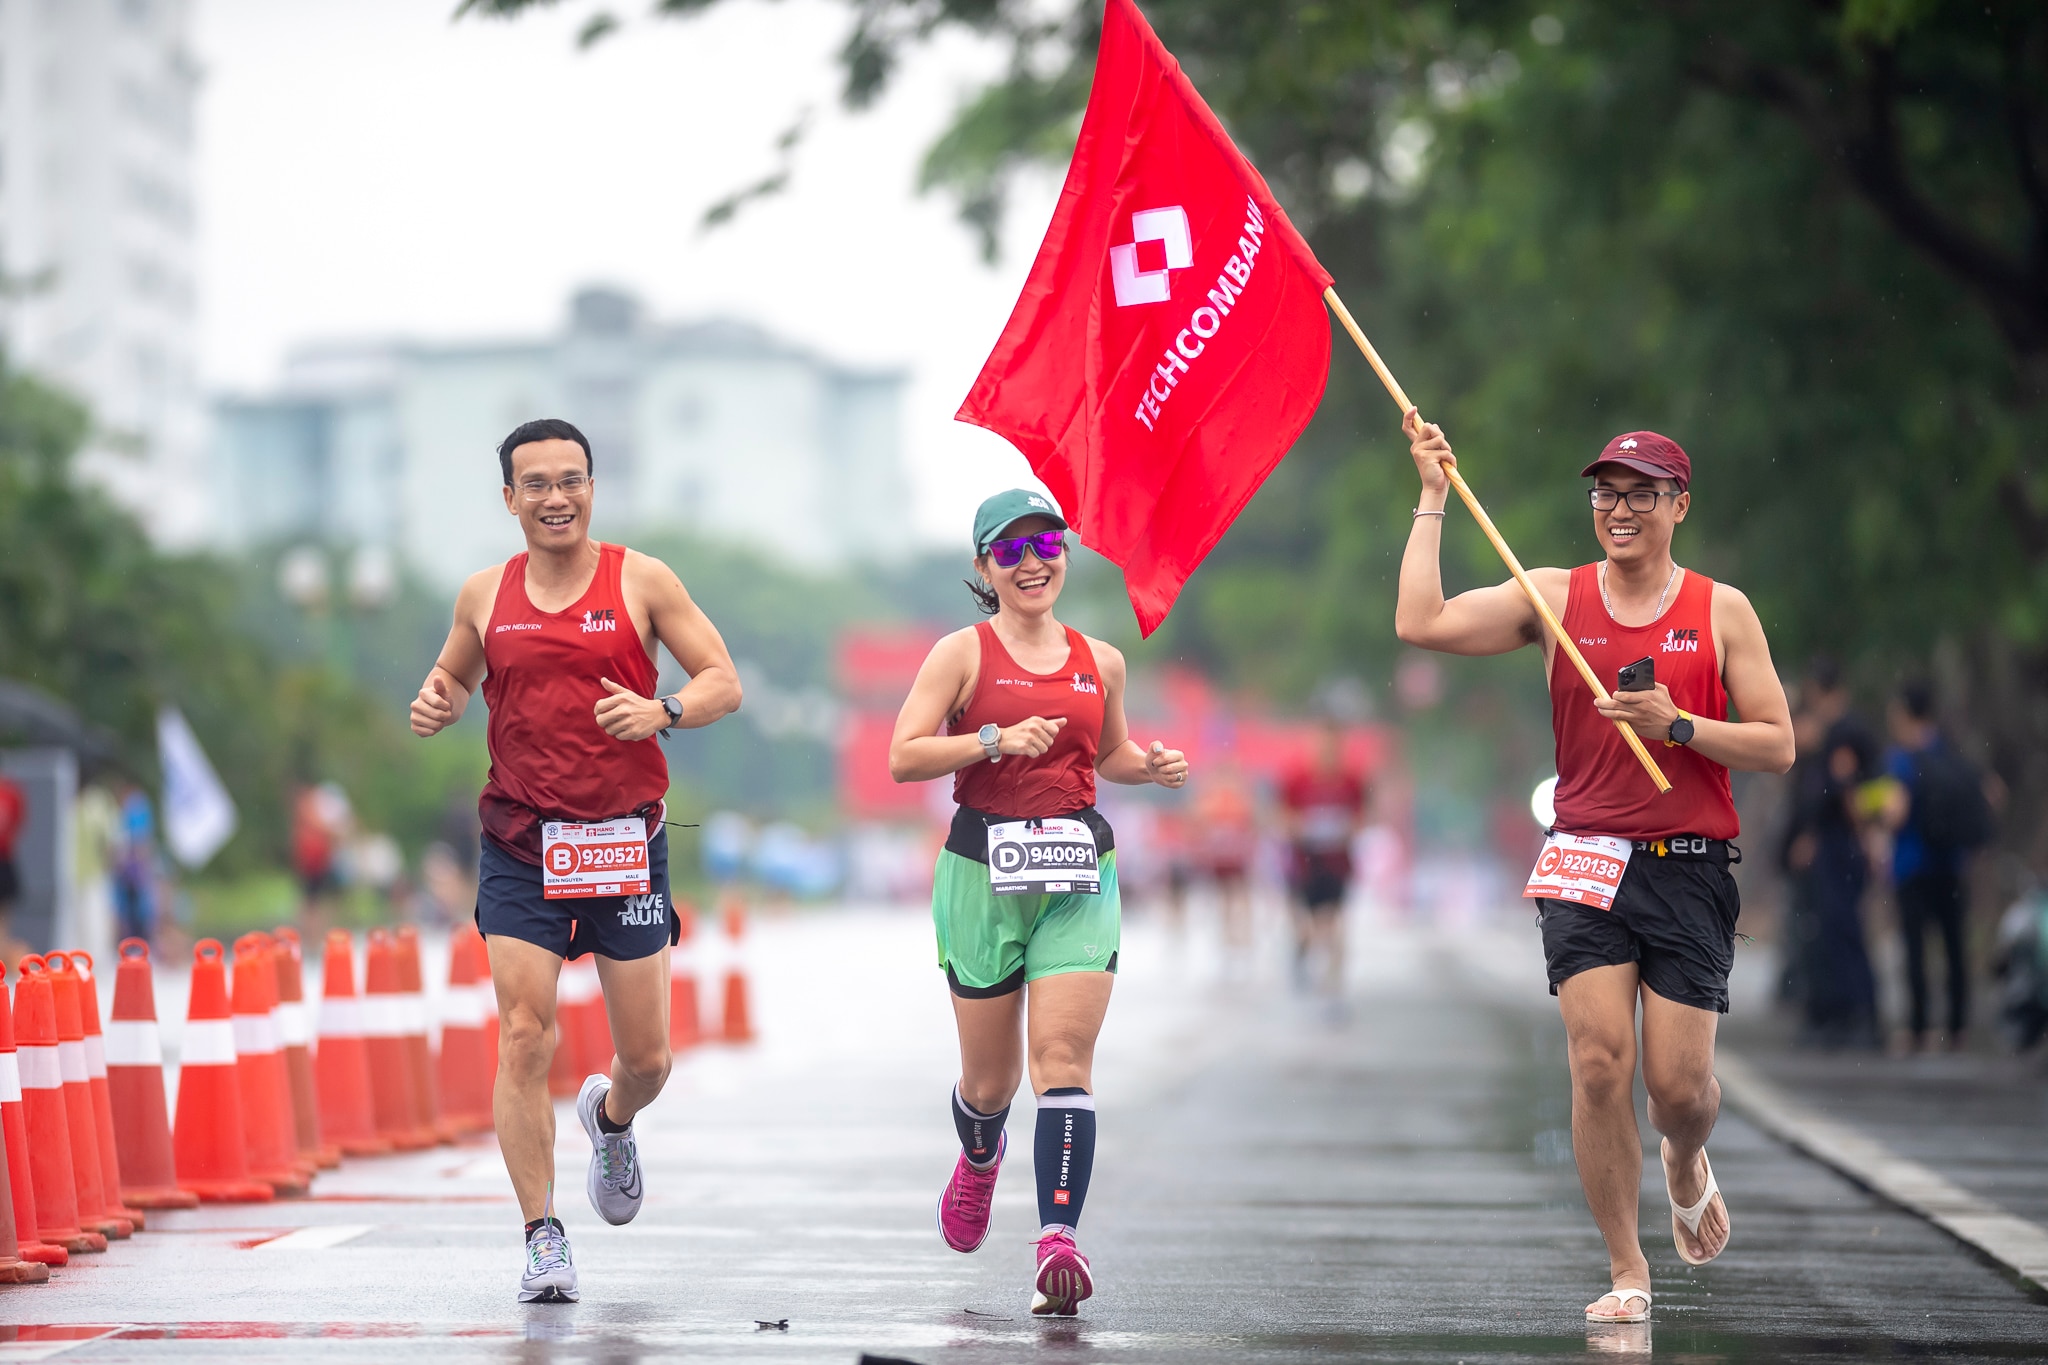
1580	867
1053	857
604	859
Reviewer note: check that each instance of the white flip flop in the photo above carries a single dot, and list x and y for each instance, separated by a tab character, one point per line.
1691	1217
1621	1298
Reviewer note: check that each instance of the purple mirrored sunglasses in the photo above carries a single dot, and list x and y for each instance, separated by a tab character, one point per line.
1047	545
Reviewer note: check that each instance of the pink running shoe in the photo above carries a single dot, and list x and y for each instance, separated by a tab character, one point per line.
1063	1276
964	1207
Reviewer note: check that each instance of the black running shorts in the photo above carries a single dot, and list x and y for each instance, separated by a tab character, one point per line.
509	901
1674	918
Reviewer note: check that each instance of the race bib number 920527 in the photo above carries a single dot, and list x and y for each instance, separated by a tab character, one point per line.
1580	867
607	858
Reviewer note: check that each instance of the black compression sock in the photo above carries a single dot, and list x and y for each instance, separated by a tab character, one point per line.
979	1132
537	1224
605	1124
1063	1150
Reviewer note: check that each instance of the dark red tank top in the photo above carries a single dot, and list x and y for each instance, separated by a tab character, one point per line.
1059	781
1601	788
550	760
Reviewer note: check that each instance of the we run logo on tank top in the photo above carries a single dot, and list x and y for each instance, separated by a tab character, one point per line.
1678	641
599	621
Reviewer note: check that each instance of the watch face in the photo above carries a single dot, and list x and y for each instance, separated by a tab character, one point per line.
988	734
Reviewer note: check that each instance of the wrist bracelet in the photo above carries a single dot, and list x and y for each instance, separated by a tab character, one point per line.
1426	512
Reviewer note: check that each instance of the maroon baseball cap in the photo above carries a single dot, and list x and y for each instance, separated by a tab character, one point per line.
1647	453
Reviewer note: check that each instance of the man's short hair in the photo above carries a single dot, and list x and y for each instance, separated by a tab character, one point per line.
542	429
1918	698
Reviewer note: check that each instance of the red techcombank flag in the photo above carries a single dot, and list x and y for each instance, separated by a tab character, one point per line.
1171	341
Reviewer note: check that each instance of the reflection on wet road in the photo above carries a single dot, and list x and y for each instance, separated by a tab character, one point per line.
1272	1185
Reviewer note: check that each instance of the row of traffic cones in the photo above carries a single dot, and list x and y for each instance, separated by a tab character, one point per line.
86	1143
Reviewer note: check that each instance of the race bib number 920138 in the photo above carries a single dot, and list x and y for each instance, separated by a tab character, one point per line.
1580	867
1054	857
608	858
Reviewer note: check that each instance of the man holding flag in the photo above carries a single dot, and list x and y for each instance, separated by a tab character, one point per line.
1653	921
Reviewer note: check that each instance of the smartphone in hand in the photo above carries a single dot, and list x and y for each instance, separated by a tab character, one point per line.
1640	676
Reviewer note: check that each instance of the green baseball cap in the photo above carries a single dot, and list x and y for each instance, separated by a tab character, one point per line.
1013	504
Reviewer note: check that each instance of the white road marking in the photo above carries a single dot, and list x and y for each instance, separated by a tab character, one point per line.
315	1238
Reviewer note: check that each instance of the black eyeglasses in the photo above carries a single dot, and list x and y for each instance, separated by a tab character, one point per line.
1047	545
1639	499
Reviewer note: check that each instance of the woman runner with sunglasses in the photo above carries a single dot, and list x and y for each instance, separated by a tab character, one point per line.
1024	712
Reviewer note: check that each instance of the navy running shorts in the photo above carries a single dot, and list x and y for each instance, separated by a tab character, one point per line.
509	901
1674	918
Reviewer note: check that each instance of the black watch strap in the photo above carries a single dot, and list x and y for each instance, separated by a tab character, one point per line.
674	707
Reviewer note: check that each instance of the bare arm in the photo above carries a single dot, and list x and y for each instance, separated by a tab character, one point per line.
919	753
713	689
1495	620
1119	758
457	670
1761	741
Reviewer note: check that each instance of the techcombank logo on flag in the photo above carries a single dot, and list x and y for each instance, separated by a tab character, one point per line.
1138	280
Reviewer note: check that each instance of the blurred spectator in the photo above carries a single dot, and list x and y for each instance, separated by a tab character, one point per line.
1938	820
96	840
320	820
2022	967
1226	833
1324	807
13	814
136	886
1822	854
1171	843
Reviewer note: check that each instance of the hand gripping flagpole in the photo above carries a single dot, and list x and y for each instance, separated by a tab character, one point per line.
1543	610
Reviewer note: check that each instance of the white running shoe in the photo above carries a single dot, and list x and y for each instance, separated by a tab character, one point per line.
614	1183
550	1271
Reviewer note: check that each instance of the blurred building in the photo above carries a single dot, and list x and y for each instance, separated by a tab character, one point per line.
97	253
716	428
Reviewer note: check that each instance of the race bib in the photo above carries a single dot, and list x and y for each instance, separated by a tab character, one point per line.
1053	857
604	859
1579	867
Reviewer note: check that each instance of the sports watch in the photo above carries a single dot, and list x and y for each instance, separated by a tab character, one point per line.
1681	730
988	734
674	707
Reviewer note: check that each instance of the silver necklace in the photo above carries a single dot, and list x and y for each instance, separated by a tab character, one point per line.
1608	603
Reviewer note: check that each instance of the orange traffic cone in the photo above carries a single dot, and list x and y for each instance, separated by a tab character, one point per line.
464	1070
393	1098
487	992
412	990
266	1088
213	1153
13	1269
298	1059
685	1020
342	1065
14	1142
97	1212
739	1024
135	1089
76	992
42	1100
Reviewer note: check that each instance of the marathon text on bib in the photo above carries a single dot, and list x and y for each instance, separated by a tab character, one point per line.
1580	867
608	858
1052	857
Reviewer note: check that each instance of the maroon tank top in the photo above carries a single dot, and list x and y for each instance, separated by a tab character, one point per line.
550	760
1601	788
1059	781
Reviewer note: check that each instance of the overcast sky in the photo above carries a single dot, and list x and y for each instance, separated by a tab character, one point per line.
368	168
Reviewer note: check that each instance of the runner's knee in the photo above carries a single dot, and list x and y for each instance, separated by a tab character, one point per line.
1679	1093
646	1066
525	1042
1602	1068
1060	1061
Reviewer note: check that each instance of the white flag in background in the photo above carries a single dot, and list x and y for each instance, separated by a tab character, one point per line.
199	815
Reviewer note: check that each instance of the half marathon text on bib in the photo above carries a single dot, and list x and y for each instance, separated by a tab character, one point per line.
604	859
1580	867
1054	857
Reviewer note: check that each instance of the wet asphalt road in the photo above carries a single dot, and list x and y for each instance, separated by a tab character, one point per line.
1272	1185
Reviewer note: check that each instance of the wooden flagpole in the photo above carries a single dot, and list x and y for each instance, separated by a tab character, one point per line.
1564	641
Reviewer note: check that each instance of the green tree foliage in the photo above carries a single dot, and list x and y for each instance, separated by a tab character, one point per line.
92	614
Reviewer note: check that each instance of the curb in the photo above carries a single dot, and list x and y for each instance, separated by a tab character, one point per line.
2015	1243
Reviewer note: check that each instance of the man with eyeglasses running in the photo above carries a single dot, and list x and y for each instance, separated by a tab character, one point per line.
1024	713
574	855
1666	942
